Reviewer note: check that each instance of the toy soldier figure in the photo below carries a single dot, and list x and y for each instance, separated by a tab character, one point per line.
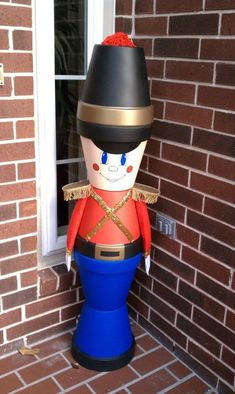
109	229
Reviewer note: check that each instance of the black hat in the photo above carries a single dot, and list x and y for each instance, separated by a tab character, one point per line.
115	109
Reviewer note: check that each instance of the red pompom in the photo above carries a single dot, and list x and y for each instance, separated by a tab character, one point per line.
119	39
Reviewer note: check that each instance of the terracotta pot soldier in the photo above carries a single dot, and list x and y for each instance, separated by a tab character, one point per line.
109	229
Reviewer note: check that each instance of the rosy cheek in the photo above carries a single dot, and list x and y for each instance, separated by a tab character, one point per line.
129	169
96	167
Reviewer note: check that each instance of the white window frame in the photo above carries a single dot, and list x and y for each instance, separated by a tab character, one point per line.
101	16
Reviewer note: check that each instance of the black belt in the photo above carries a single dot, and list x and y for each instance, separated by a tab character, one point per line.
108	252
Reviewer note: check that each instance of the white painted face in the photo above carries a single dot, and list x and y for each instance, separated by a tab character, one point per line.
108	171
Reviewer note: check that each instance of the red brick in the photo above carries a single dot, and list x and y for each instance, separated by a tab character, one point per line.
193	384
20	263
55	302
218	251
7	212
206	265
182	195
172	298
204	24
230	320
171	6
195	116
188	236
25	129
216	97
151	26
17	151
202	300
6	89
10	383
123	24
47	282
211	362
164	276
16	108
28	244
7	173
225	74
168	329
153	148
16	62
145	43
221	167
173	91
189	71
72	377
28	2
23	86
43	368
9	318
8	249
71	311
123	7
28	208
219	210
16	16
19	298
174	265
26	170
17	191
164	242
172	132
57	329
4	43
215	142
47	385
220	5
153	383
217	49
222	190
8	285
65	278
143	279
157	304
171	209
29	278
198	335
6	131
223	294
224	122
213	327
32	325
228	357
138	304
184	156
16	228
168	171
22	40
212	228
155	68
179	370
158	109
176	47
144	7
228	22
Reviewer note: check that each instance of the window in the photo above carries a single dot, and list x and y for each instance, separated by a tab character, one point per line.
66	32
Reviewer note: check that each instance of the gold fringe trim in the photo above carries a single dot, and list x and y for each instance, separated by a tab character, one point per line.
145	193
77	190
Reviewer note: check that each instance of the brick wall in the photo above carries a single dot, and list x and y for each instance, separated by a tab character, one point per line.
33	303
188	300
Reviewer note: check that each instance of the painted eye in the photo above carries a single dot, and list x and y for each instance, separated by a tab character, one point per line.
123	159
104	158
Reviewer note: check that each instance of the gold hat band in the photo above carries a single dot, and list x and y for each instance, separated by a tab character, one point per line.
115	116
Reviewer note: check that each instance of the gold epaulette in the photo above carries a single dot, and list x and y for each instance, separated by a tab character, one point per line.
145	193
77	190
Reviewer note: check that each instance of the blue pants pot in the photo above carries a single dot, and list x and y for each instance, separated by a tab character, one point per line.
103	340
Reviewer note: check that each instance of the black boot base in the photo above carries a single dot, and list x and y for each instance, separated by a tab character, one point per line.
102	364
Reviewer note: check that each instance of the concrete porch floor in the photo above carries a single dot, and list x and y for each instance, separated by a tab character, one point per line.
153	370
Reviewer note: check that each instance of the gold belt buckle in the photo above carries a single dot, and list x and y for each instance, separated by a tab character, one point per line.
109	252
